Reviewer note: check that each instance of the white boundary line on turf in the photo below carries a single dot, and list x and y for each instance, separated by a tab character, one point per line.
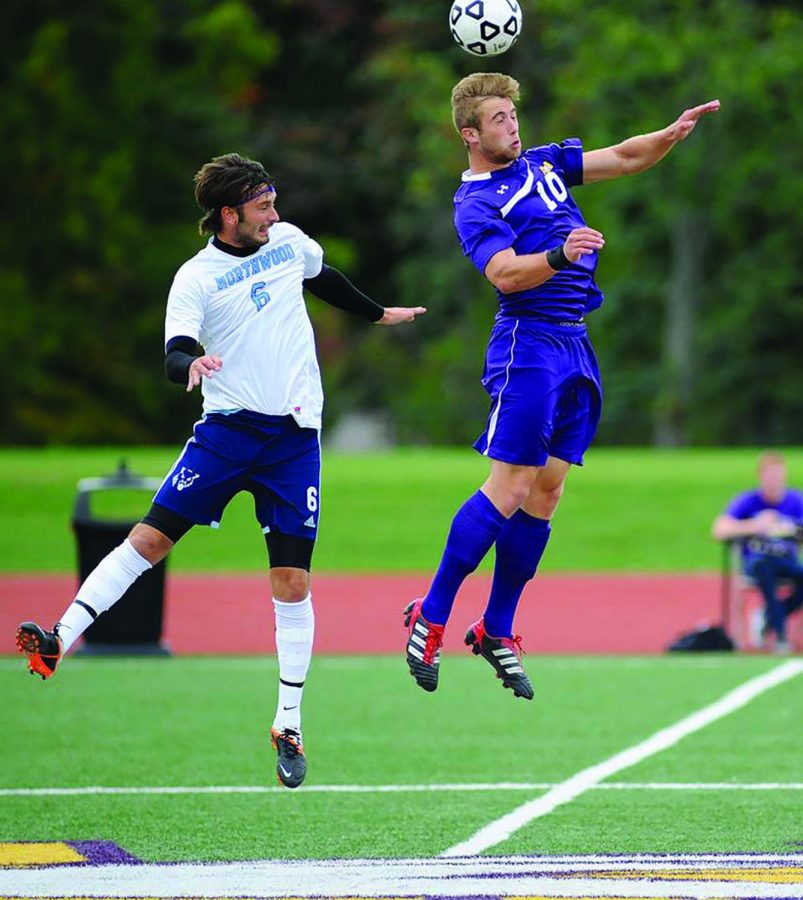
501	829
704	877
467	787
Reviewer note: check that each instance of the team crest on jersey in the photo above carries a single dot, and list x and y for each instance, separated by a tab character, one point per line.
184	478
546	167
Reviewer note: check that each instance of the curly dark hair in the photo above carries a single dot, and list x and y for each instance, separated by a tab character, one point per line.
227	180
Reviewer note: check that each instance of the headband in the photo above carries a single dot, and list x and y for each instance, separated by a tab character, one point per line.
268	189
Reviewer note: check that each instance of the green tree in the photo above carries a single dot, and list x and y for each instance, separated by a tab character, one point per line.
108	110
699	337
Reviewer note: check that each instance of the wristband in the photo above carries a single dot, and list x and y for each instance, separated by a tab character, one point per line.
556	259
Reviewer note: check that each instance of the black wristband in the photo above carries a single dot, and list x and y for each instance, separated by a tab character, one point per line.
556	259
181	351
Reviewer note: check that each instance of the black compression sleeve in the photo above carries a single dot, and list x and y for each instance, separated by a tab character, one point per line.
181	351
334	288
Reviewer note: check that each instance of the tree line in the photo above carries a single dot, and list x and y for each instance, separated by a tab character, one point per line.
110	107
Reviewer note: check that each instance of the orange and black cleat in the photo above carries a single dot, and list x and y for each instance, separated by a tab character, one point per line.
43	648
504	654
291	765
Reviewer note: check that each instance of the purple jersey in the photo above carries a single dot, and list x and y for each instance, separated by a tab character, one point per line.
750	504
527	206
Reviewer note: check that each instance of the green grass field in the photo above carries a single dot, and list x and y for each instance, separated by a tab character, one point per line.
627	509
202	722
395	772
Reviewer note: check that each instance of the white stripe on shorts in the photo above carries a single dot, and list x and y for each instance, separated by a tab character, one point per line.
495	414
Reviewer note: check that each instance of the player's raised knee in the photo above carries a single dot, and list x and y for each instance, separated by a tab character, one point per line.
150	543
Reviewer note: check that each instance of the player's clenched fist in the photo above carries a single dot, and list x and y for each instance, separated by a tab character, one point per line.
581	242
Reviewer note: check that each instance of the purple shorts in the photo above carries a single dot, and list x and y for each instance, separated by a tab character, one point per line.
269	456
546	395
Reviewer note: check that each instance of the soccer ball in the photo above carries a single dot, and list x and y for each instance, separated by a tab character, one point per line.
485	27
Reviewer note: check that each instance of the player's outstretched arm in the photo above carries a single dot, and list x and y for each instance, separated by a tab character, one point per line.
397	315
639	153
334	288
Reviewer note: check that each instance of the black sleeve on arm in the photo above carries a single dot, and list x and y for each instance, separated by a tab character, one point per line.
334	288
181	351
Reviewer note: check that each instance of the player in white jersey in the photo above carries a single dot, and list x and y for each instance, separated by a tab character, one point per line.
241	299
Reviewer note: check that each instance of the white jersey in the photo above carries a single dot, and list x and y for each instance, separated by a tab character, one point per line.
250	312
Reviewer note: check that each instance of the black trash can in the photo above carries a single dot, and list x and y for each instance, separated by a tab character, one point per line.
134	624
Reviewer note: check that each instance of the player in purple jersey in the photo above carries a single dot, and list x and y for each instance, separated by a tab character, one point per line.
519	225
769	521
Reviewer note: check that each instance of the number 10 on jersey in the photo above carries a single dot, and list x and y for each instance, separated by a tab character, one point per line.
556	187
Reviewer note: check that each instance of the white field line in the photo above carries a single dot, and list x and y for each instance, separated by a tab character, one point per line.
733	876
501	829
467	787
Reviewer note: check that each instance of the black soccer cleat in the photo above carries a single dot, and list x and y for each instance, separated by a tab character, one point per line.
504	654
291	765
43	648
423	648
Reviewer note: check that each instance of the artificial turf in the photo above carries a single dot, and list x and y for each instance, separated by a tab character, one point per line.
203	722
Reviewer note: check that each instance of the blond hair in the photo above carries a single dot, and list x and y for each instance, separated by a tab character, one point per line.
469	92
770	458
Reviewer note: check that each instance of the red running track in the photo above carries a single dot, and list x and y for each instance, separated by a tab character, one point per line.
362	614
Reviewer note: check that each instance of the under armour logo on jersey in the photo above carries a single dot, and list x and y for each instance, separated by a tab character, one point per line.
546	167
503	188
184	478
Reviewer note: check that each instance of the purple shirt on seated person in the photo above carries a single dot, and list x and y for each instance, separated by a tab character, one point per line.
749	504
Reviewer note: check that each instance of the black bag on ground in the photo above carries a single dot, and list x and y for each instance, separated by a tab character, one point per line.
705	638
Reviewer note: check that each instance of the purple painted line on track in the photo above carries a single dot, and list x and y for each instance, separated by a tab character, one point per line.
103	853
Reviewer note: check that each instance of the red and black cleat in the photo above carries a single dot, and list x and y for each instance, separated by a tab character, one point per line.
504	654
423	649
43	648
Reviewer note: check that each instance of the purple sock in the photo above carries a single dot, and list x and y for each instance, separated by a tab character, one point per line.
474	529
519	548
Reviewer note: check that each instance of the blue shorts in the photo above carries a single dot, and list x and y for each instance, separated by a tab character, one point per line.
269	456
546	395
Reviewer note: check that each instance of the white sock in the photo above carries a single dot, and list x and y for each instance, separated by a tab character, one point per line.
295	628
104	586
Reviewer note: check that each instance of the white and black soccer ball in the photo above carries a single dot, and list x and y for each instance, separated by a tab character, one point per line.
485	27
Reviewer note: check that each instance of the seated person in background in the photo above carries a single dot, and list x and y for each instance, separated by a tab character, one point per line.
769	520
